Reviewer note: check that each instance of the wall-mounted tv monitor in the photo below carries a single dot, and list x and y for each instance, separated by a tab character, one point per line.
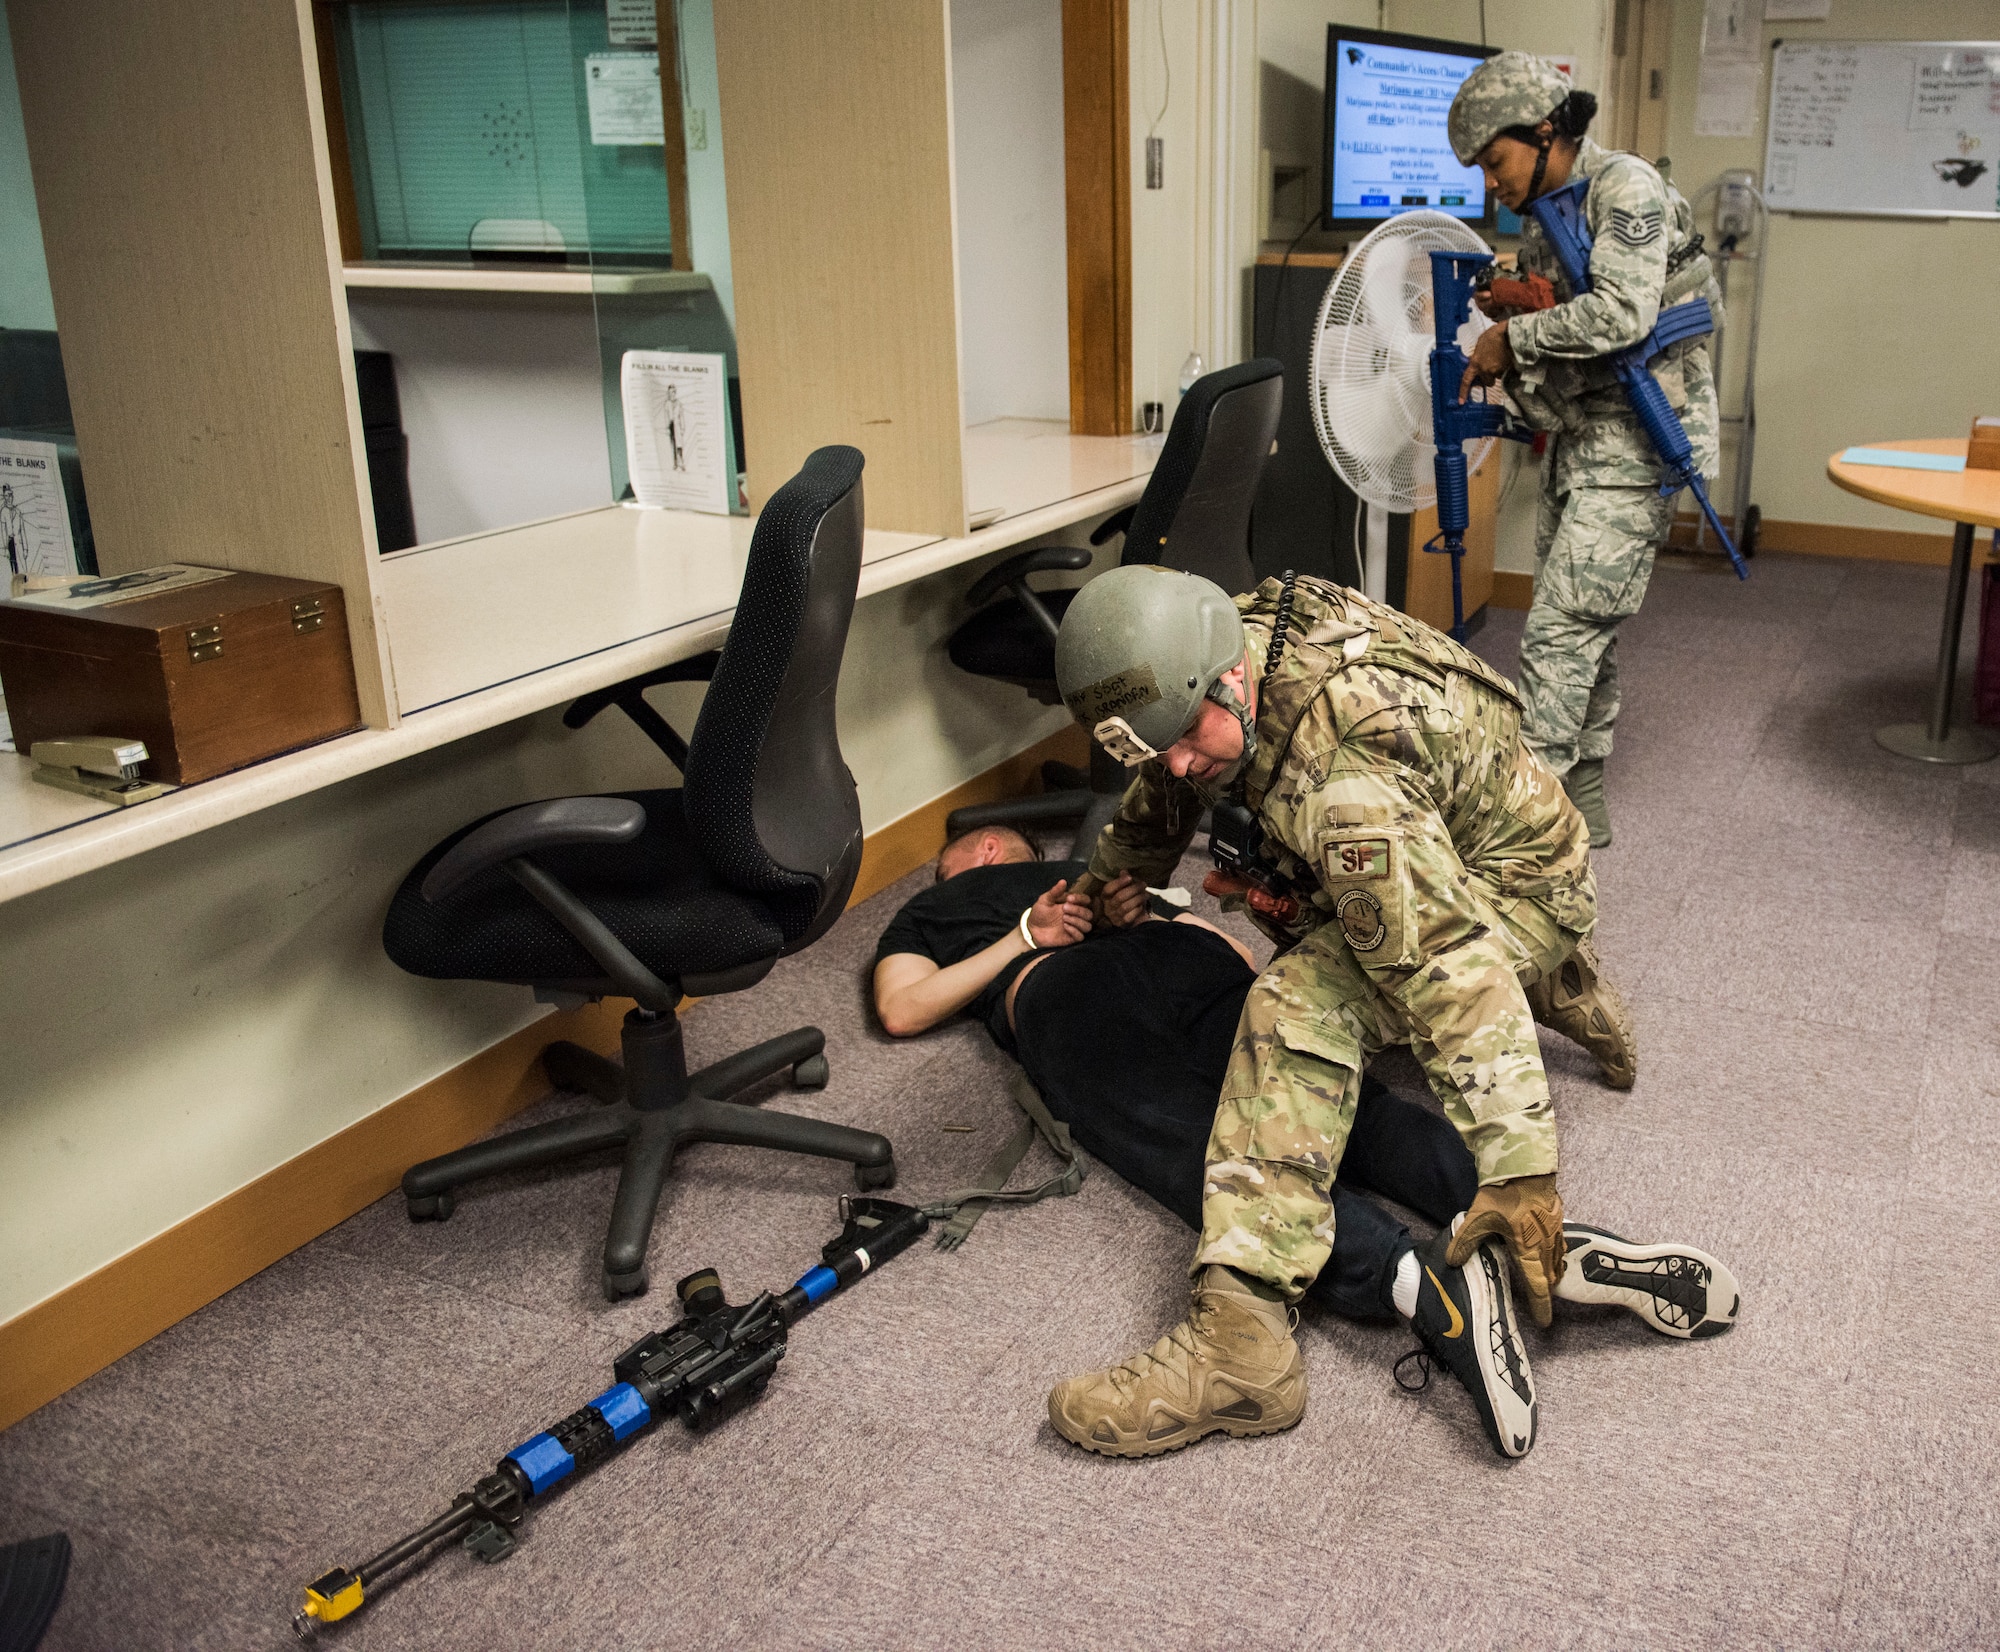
1387	151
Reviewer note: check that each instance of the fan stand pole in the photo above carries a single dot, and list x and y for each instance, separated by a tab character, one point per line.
1457	594
1375	559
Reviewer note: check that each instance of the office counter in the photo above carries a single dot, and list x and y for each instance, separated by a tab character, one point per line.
491	628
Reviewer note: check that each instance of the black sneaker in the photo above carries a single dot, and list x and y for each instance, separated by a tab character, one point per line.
1676	1289
1465	1321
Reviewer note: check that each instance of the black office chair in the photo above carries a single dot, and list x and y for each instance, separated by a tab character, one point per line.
1194	515
655	894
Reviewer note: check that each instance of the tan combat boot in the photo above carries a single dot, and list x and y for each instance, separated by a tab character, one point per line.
1230	1365
1581	1004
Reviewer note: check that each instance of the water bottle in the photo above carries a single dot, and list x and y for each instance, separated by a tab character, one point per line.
1191	369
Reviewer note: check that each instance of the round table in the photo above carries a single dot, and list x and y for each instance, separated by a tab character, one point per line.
1970	498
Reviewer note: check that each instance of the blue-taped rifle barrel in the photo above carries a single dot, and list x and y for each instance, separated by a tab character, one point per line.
714	1356
1453	422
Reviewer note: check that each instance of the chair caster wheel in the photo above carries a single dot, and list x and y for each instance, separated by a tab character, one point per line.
868	1177
435	1207
618	1285
811	1073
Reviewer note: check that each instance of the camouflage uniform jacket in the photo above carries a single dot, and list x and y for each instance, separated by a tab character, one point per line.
1645	257
1389	771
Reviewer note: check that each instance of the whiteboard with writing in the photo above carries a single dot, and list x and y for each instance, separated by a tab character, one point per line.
1900	127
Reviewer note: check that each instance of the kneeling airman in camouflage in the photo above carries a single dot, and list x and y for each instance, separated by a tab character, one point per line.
1600	516
1428	883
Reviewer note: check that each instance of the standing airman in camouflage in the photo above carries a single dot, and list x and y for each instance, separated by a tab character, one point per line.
1441	898
1600	516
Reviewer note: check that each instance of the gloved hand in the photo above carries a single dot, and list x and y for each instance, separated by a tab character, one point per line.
1526	1215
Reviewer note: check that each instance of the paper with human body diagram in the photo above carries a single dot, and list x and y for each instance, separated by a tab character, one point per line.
677	429
34	518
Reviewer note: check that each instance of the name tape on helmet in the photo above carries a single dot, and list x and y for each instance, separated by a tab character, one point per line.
1115	735
1115	696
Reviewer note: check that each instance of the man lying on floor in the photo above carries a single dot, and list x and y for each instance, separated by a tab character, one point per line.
1127	1036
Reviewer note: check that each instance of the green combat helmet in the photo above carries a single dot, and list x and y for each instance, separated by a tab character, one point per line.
1140	648
1513	89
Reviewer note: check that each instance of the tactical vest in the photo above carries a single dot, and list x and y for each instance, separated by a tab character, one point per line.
1333	628
1574	391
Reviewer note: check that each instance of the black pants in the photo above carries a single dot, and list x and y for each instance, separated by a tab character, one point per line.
1127	1036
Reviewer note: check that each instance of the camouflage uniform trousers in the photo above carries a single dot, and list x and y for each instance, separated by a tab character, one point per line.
1311	1022
1594	549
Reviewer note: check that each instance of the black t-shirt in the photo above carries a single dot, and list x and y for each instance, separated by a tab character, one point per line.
950	921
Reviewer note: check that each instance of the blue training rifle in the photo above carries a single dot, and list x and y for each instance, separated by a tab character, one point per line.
716	1359
1454	275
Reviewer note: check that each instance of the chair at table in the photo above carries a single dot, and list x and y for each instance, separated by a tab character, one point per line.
653	895
1194	515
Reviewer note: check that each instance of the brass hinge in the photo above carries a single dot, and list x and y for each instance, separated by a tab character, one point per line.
204	643
308	614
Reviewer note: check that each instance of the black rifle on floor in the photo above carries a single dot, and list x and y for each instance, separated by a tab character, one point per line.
717	1359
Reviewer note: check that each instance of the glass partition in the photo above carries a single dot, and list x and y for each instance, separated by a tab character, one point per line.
519	217
44	523
667	344
461	127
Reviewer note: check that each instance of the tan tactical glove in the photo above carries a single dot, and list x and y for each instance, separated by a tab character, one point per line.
1526	1215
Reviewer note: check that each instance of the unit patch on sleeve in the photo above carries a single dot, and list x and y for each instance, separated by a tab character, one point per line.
1360	915
1361	857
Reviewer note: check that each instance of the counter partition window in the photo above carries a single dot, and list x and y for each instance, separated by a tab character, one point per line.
44	524
470	137
651	113
496	162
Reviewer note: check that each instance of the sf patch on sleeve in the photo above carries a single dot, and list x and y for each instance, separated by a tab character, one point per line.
1366	887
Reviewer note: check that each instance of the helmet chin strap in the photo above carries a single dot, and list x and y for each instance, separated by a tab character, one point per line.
1227	698
1545	143
1541	167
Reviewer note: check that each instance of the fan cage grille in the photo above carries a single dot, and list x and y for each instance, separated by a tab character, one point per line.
1369	383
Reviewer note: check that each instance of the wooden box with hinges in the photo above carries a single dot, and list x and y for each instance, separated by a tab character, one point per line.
211	669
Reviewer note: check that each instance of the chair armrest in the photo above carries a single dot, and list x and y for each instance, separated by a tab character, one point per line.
546	825
699	669
1116	522
1043	559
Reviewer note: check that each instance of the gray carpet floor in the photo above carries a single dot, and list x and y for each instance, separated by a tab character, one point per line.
1809	932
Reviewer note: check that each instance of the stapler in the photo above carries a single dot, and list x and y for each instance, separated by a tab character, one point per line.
100	766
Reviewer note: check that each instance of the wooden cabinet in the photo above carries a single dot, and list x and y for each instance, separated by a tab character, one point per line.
211	676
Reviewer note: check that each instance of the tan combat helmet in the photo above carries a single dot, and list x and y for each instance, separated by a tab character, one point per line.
1513	89
1140	648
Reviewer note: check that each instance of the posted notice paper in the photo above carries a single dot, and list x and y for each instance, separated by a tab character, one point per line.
622	93
677	429
631	22
1725	99
34	520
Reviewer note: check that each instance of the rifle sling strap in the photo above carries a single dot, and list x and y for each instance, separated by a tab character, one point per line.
967	1204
